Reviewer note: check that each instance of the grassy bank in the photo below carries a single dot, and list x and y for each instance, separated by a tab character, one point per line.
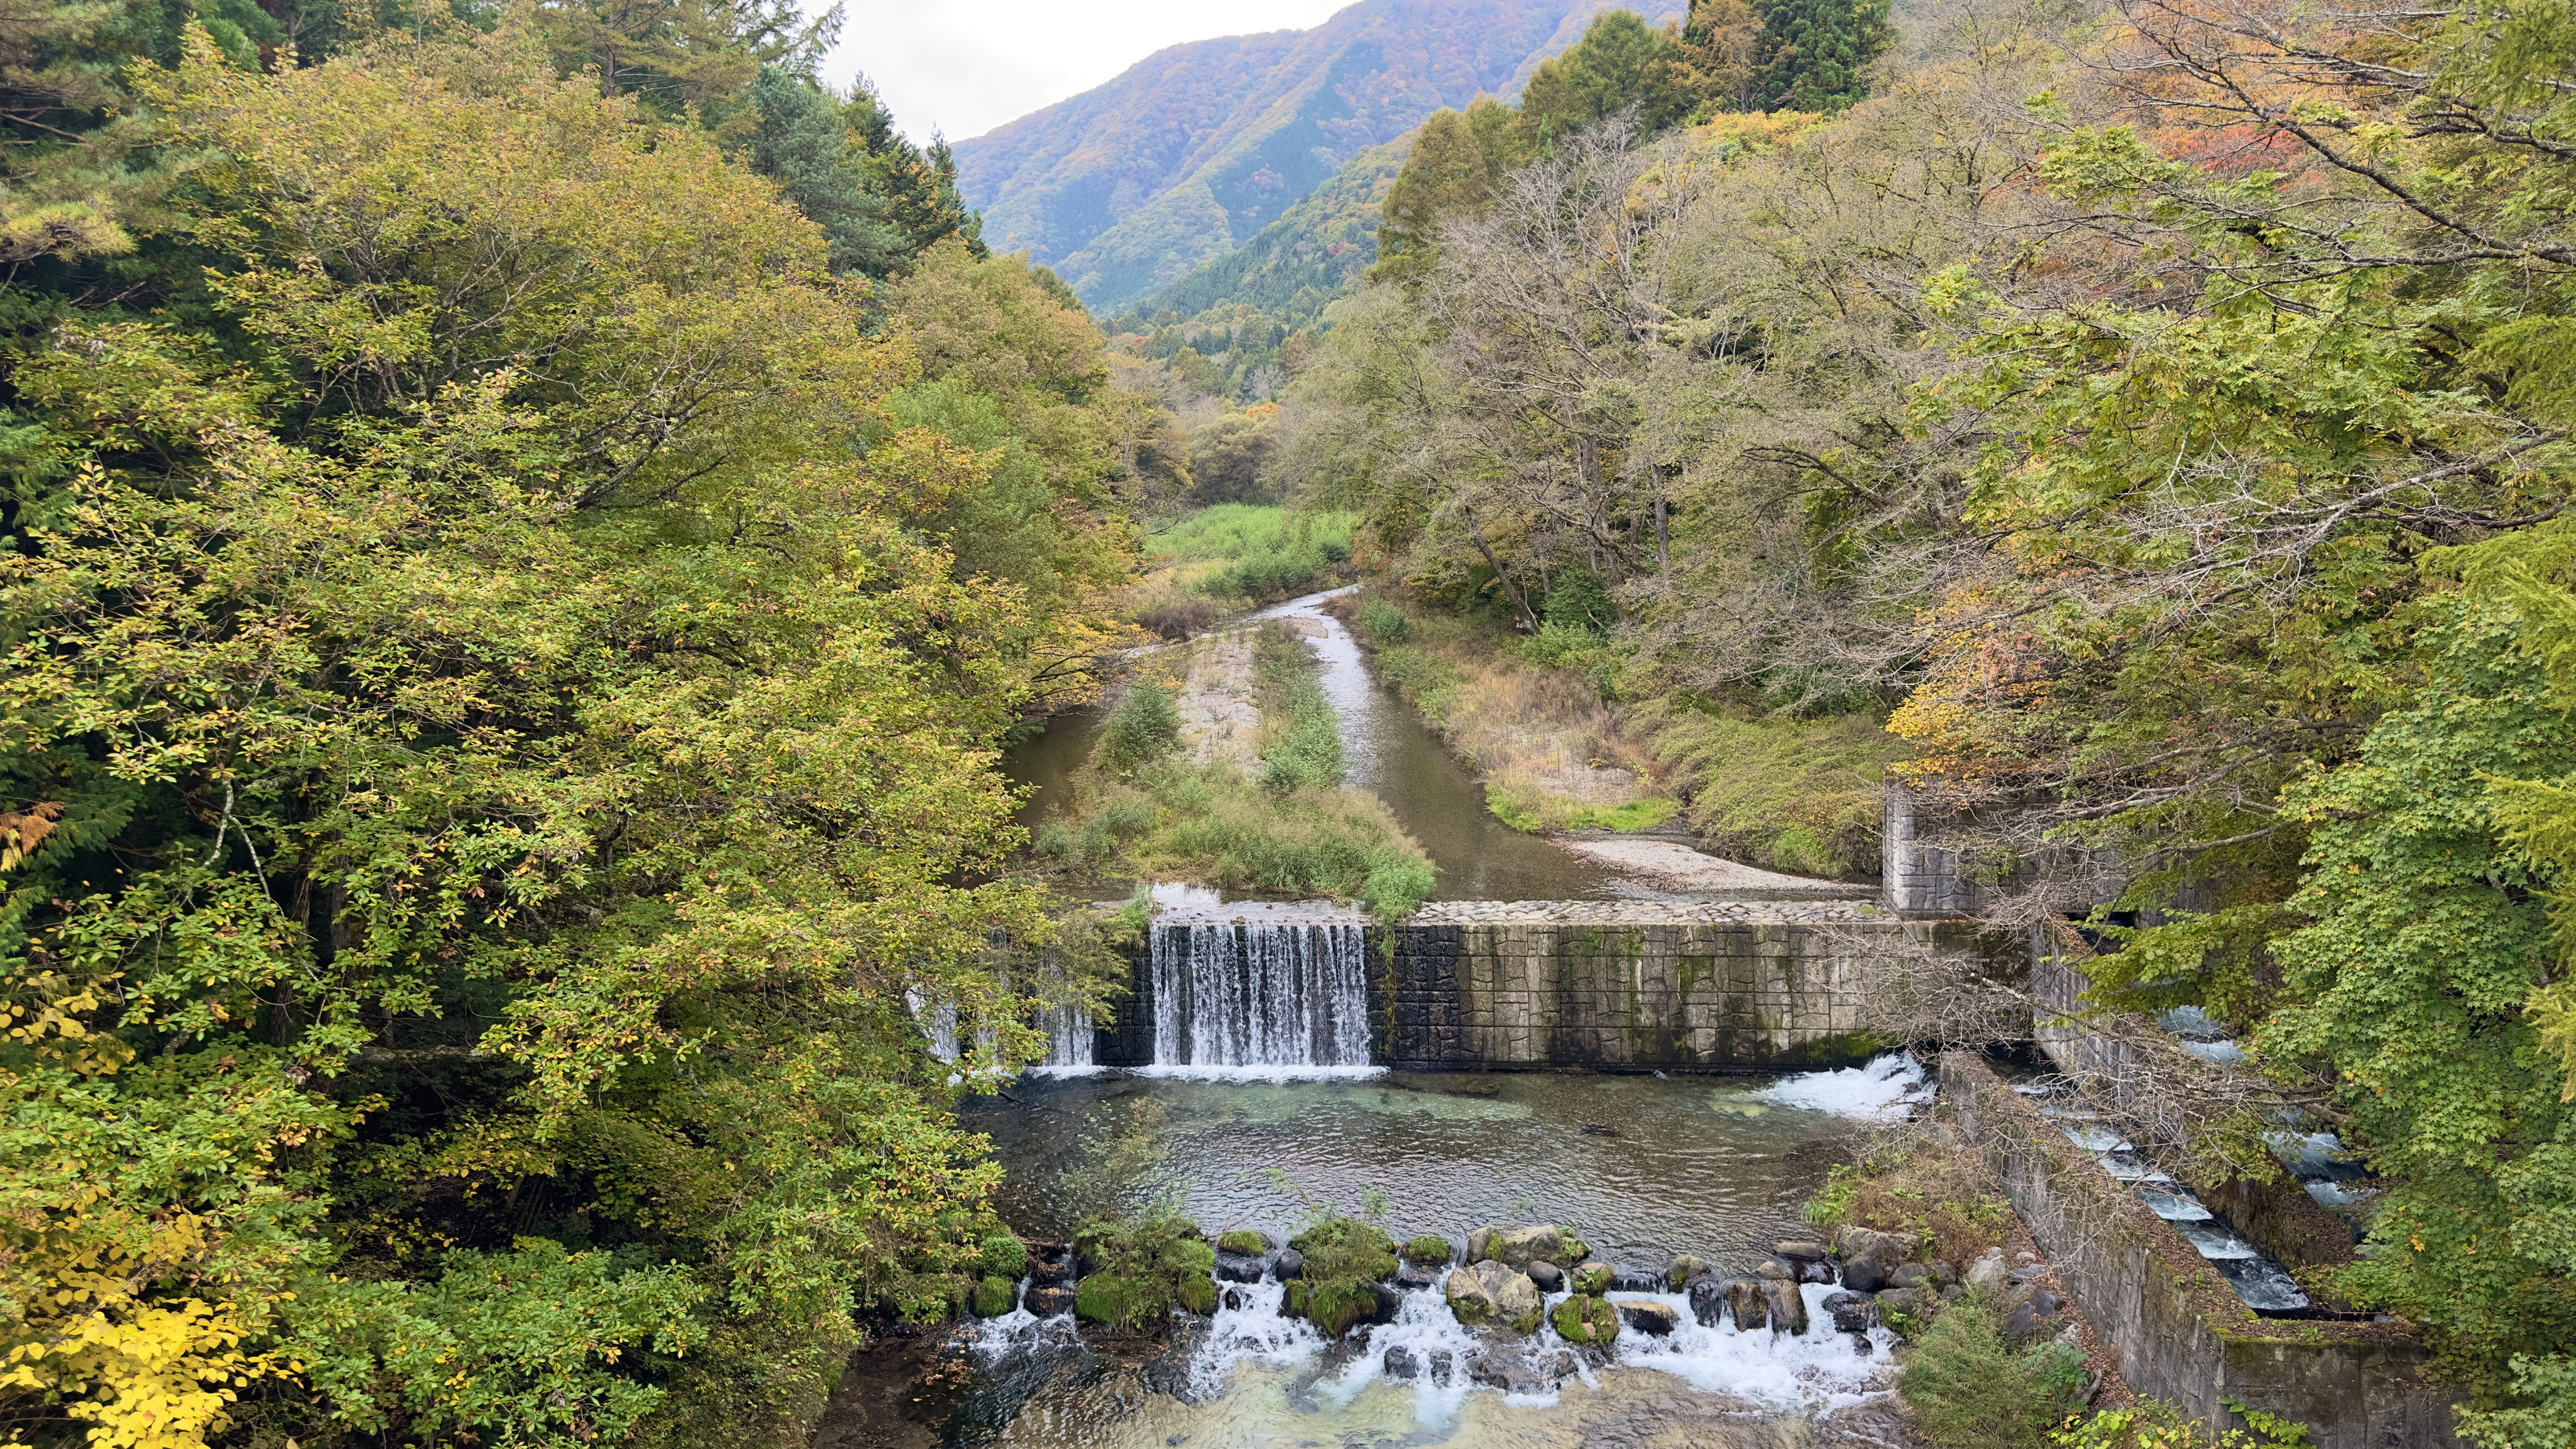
1527	713
1536	717
1241	553
1144	809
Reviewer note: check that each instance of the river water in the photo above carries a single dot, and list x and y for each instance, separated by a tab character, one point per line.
1392	754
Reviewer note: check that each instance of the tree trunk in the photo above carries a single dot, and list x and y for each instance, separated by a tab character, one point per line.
1520	606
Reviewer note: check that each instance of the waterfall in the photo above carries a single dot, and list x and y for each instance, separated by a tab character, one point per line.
1069	1038
1279	996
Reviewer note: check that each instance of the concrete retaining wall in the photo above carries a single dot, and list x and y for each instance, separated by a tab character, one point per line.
2182	1334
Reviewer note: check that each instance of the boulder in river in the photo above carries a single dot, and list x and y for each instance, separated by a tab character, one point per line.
1746	1303
1679	1272
1428	1251
1489	1292
1590	1276
1047	1300
1776	1270
1787	1305
1549	1277
1655	1320
1239	1267
1869	1257
1586	1320
1851	1311
1540	1243
1809	1260
1517	1366
1250	1242
1289	1264
1707	1294
1480	1244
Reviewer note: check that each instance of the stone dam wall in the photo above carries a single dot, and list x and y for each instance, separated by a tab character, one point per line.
1609	985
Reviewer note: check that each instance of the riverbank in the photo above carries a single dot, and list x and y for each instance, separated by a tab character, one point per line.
1535	719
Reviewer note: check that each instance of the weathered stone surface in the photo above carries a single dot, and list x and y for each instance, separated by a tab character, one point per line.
1851	1311
1903	1302
2032	1316
1681	1270
1493	1293
1747	1304
1480	1244
1656	1320
1516	1366
1869	1258
1988	1271
1549	1277
1401	1363
1541	1242
1239	1268
1047	1300
1774	1269
1289	1264
1590	1276
1788	1307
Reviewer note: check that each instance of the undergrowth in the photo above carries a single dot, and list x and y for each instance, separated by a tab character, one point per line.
1799	795
1920	1189
1257	552
1966	1386
2155	1424
1303	748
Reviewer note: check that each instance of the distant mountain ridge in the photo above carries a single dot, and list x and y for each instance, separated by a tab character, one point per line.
1128	186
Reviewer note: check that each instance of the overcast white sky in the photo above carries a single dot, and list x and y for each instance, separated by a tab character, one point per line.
966	66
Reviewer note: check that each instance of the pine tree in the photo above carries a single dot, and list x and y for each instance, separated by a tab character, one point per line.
1812	52
800	143
920	190
1618	66
1456	163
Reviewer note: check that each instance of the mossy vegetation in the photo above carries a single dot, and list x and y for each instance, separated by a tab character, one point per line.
1246	1241
1917	1188
1346	1260
1139	1269
1585	1318
993	1296
1428	1251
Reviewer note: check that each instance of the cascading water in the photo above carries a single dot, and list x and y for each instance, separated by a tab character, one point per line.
1266	992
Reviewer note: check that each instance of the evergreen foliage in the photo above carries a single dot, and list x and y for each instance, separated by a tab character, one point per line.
800	143
1814	55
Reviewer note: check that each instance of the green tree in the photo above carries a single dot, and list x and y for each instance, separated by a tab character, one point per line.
1620	66
1814	55
1454	171
919	187
799	143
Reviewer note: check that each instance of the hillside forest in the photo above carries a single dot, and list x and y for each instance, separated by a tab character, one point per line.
529	529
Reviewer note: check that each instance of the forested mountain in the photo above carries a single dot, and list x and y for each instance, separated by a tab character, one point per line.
1235	327
2157	417
1193	151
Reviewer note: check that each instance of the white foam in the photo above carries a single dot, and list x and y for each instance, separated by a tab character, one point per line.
1254	1331
1424	1327
1818	1369
1887	1089
1282	1073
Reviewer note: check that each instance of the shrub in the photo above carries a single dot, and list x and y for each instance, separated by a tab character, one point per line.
1967	1387
2155	1424
1144	727
1178	616
1384	622
1914	1187
1003	1255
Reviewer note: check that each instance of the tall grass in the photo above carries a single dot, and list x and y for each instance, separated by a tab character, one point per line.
1257	551
1305	751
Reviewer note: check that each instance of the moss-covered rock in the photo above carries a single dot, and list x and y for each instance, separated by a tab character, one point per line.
1488	1292
1002	1256
1118	1301
1139	1270
1248	1241
1428	1251
1585	1319
993	1295
1346	1248
1592	1278
1542	1243
1337	1307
